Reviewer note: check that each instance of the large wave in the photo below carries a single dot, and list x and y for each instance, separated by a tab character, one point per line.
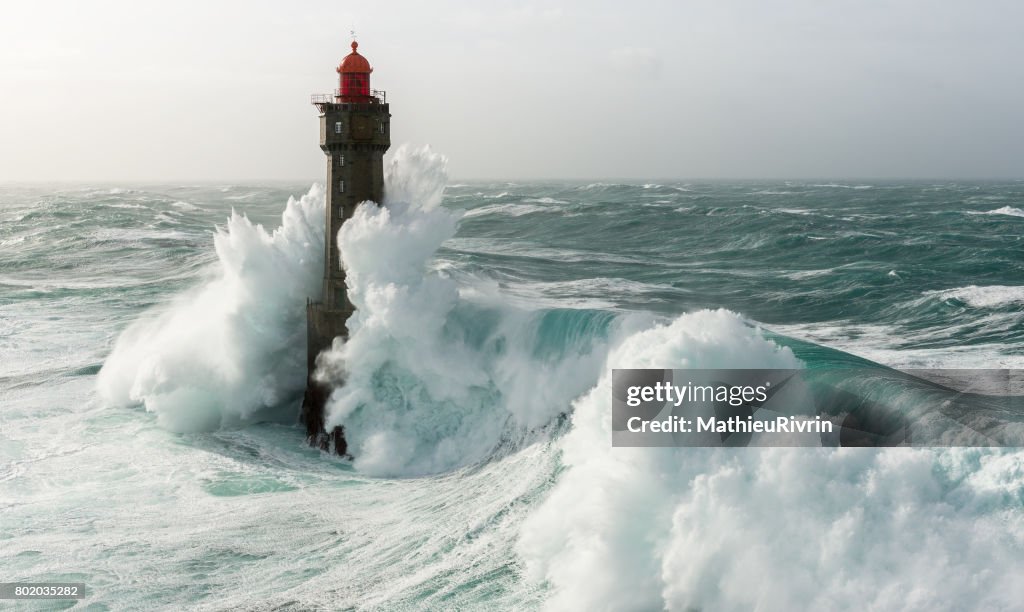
233	349
770	529
431	377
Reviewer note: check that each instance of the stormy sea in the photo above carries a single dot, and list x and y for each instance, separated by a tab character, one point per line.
152	364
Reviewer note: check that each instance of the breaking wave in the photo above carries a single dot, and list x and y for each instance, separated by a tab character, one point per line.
233	349
771	529
433	378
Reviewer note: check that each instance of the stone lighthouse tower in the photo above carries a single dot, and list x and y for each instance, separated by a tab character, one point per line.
355	131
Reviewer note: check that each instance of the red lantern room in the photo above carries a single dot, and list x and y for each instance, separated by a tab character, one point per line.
354	77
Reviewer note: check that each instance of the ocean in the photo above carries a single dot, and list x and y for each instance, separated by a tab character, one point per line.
153	360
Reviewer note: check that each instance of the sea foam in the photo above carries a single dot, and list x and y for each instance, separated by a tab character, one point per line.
990	296
431	379
231	350
1009	211
767	529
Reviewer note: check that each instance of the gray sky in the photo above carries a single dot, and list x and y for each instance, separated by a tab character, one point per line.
109	90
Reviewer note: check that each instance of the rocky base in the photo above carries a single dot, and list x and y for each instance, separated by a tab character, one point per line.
323	325
312	416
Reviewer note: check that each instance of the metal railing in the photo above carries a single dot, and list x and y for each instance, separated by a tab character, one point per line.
378	94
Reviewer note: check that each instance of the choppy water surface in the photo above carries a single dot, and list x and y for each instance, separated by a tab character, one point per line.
152	361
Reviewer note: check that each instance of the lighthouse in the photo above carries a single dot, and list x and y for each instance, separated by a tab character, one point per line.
355	131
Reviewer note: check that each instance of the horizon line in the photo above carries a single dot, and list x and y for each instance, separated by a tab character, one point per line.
591	179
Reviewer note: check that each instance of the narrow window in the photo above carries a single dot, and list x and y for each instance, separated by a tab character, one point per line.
380	126
341	185
337	127
341	161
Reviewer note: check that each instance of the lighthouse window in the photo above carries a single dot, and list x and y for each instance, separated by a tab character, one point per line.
337	127
380	126
341	186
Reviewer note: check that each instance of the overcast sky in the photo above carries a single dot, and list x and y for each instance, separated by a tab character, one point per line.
219	90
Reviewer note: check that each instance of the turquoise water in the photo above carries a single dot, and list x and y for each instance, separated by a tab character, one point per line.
914	258
178	477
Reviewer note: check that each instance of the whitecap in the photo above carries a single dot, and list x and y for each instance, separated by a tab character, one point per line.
545	200
1005	210
512	210
982	297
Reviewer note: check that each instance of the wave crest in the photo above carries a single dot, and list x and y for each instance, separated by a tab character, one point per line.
233	349
430	379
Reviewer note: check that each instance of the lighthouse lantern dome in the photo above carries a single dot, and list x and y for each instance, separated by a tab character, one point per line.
354	76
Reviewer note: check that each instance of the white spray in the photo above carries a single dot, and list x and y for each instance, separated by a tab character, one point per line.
233	349
416	396
768	529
